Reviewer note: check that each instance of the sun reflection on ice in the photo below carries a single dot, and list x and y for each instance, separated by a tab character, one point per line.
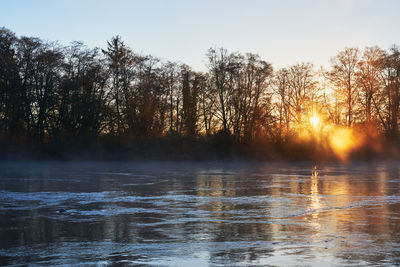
315	202
314	191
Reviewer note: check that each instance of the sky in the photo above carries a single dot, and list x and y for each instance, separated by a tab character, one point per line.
282	32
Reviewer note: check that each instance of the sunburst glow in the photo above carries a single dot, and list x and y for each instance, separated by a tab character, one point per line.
314	121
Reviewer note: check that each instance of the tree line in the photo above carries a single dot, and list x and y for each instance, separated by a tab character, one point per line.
50	93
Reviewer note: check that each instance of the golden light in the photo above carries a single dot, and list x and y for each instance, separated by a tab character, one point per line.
343	141
314	121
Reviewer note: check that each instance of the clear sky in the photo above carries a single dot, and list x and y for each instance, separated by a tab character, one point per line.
283	32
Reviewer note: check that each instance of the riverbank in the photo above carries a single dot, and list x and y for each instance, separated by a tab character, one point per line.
189	149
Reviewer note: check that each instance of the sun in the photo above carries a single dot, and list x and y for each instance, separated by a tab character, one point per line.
314	121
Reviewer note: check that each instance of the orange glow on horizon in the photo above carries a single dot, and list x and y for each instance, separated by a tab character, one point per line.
331	138
342	141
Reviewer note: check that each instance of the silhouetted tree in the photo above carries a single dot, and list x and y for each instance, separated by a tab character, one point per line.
207	103
343	78
368	75
222	67
11	94
280	85
120	62
191	83
298	95
251	98
170	78
40	66
84	106
388	99
53	94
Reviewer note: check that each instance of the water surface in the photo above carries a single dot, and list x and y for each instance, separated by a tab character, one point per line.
199	214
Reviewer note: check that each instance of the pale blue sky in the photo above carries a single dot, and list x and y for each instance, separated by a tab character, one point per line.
283	32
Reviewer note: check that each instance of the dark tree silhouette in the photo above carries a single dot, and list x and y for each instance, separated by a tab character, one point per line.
114	101
11	93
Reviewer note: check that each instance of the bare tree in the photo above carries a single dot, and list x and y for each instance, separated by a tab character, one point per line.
343	77
368	78
120	60
222	67
11	94
387	100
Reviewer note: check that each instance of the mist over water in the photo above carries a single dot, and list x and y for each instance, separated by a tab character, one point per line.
197	214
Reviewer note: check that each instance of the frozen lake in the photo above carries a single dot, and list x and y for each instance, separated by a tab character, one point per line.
199	214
